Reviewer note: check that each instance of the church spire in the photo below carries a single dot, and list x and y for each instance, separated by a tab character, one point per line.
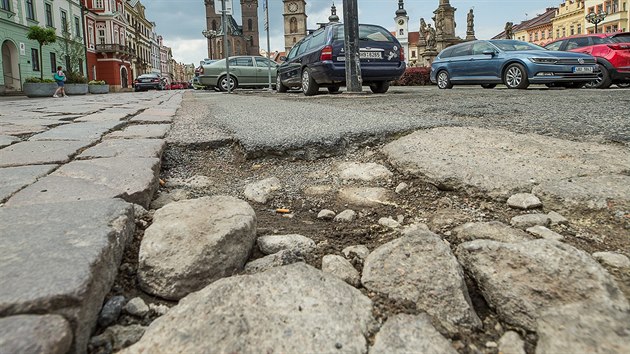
333	14
401	8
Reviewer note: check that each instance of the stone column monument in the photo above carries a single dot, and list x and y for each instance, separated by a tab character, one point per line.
445	25
470	26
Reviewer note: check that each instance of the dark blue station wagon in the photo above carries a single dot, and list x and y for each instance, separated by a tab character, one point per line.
318	60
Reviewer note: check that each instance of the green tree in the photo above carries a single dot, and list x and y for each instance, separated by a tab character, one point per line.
73	51
43	36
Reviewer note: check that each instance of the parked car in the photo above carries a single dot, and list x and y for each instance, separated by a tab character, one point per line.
318	60
514	63
245	71
612	51
153	81
175	85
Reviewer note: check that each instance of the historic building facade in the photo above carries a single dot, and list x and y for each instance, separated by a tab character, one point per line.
20	55
139	32
242	39
109	55
569	19
617	18
294	22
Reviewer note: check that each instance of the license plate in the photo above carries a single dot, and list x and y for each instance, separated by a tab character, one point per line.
583	69
370	55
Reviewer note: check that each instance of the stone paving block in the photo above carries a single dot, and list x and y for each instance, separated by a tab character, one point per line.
149	131
91	131
21	129
39	152
12	179
6	140
126	148
156	115
103	116
62	259
132	179
50	334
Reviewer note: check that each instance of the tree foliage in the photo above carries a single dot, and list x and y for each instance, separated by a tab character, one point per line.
43	36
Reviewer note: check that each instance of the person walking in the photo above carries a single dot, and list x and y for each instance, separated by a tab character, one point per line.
60	79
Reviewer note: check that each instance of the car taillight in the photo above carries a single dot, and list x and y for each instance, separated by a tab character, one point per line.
402	53
619	46
326	53
201	70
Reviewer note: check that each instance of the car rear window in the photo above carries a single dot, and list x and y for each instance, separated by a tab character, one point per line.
621	38
601	40
367	33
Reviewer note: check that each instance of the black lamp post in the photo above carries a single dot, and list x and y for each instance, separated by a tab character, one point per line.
210	34
596	19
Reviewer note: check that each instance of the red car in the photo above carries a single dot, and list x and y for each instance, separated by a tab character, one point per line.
612	51
175	85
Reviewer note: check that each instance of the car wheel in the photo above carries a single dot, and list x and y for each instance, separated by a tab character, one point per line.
309	86
488	86
223	83
280	86
623	84
603	79
380	87
333	89
515	77
443	80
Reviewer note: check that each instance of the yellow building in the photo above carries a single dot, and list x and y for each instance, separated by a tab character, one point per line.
615	21
569	19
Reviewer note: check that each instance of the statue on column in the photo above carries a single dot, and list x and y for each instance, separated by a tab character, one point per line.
470	25
422	38
431	34
439	24
509	30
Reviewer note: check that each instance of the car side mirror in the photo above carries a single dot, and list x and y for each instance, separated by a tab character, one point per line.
283	58
489	52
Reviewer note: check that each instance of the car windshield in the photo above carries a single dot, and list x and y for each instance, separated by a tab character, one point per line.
367	33
148	76
509	45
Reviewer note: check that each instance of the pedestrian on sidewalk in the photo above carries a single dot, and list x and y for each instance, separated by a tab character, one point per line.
60	78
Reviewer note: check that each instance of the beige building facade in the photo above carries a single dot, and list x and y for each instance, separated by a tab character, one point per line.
616	19
569	19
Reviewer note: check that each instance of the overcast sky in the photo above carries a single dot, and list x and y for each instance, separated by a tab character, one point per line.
180	22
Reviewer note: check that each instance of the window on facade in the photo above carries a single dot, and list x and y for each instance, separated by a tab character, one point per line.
536	36
77	27
564	32
64	21
615	5
214	25
579	29
101	36
600	8
35	59
6	5
49	18
531	37
30	10
53	62
293	25
98	4
572	31
250	25
558	33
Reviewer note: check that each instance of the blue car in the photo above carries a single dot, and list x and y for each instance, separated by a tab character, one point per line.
318	60
515	64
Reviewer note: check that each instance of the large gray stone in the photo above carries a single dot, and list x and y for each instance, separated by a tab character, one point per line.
511	343
87	131
21	129
524	201
526	221
589	193
420	267
132	179
404	334
39	152
156	115
290	309
27	334
270	244
341	268
150	131
499	163
363	171
279	259
493	230
62	258
193	243
520	280
125	148
612	259
583	328
261	191
12	179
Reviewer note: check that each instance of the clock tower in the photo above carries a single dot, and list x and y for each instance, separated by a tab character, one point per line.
402	27
294	22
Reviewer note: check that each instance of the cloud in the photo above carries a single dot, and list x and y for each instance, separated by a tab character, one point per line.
188	50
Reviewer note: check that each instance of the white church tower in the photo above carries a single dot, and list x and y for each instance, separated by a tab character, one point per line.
402	27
